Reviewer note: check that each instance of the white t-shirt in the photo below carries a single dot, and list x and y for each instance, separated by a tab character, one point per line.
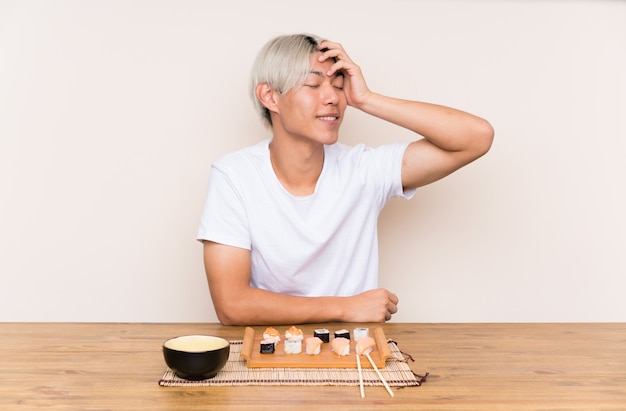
322	244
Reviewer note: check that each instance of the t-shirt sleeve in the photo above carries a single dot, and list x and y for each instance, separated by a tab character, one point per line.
387	161
224	217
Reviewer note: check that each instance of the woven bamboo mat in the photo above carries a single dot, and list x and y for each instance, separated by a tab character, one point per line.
236	373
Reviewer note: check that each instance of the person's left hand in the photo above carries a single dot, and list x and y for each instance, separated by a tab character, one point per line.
354	85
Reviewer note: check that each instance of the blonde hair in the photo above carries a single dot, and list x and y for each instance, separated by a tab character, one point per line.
283	63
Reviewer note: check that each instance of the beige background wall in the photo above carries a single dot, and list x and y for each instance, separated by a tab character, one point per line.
111	113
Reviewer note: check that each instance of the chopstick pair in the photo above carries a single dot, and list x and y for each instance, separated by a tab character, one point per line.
382	379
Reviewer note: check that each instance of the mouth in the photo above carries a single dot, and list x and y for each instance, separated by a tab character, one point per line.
328	118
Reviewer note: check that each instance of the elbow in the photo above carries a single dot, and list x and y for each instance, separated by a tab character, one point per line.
224	319
231	314
483	135
227	319
487	134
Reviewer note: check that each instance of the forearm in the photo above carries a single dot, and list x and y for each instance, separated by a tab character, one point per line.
260	307
447	128
237	303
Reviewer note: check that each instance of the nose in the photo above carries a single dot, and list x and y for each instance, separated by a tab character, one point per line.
330	95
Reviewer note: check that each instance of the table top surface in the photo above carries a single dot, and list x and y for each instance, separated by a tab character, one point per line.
101	366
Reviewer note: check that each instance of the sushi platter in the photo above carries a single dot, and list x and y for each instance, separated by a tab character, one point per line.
251	352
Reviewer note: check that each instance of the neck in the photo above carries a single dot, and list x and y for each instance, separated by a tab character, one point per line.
297	165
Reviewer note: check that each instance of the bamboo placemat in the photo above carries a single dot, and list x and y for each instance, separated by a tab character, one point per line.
236	373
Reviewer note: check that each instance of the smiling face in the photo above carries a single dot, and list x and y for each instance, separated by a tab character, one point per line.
313	111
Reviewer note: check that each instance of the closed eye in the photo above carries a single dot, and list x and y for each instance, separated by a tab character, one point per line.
338	82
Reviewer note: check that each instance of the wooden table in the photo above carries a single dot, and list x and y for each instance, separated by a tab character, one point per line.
104	366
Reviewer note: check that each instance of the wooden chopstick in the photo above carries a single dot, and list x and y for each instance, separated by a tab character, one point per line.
358	363
379	374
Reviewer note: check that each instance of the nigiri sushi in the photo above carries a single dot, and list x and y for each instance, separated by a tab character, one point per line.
293	346
340	346
313	345
294	333
365	345
271	333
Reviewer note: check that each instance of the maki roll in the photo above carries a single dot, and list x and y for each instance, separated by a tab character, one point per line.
323	334
360	333
342	334
267	346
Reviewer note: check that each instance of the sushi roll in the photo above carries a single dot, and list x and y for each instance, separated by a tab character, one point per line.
294	333
340	346
313	345
271	333
293	346
342	334
365	345
323	334
267	346
360	333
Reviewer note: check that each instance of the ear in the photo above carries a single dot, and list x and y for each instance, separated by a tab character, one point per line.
267	96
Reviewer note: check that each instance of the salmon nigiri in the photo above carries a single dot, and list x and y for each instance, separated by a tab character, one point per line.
313	345
365	345
340	346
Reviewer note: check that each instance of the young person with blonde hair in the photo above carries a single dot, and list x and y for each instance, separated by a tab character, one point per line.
290	224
